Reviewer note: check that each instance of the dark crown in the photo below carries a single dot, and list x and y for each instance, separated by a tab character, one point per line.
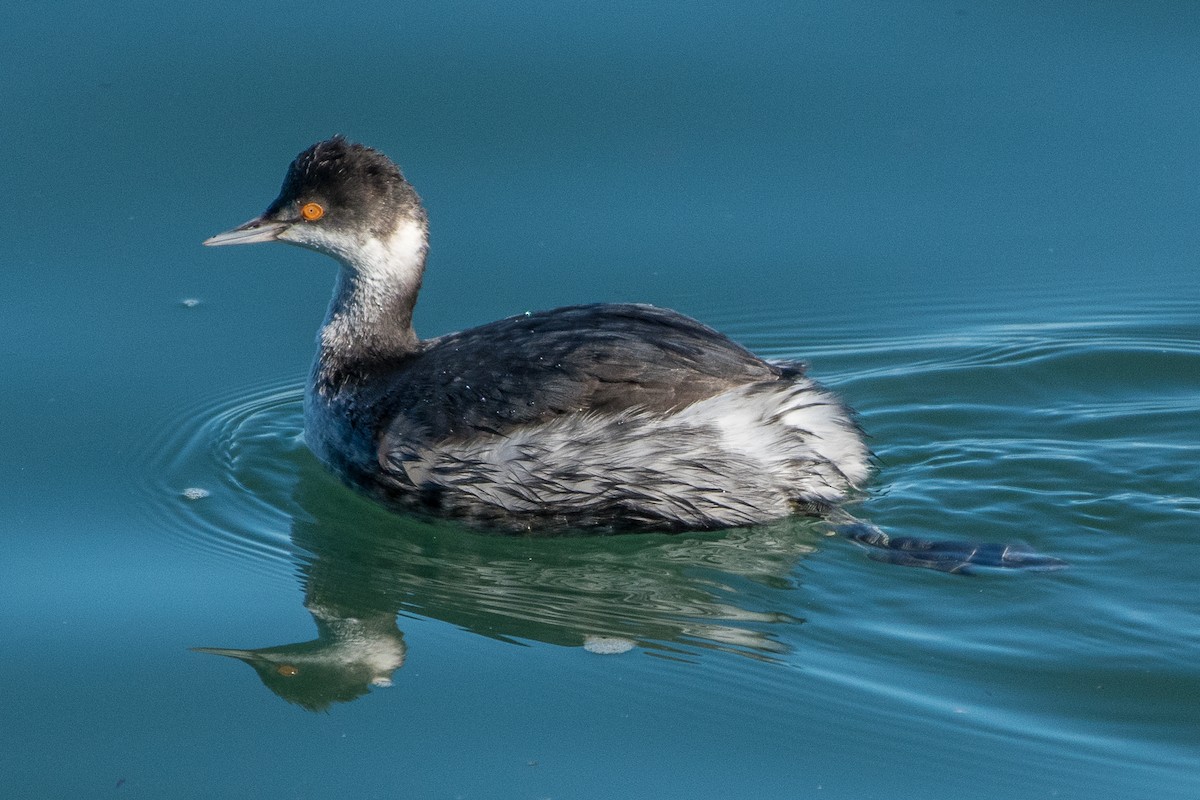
351	180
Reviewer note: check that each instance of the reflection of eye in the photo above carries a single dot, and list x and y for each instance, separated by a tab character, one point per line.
312	211
287	670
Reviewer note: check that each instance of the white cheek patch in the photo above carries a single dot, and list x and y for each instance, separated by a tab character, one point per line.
397	260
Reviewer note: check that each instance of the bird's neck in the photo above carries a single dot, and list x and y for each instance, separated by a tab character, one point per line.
369	320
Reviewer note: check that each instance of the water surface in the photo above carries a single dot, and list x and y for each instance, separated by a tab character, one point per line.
978	225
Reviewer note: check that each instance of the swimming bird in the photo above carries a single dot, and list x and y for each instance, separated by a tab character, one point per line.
608	417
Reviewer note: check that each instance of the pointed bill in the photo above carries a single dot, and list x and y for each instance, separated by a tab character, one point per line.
256	230
243	655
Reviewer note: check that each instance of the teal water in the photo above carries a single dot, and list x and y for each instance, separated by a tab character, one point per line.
978	225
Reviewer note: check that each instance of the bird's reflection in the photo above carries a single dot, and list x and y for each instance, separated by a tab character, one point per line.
349	656
674	596
671	595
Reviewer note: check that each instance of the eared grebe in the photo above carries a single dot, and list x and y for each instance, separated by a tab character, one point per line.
613	416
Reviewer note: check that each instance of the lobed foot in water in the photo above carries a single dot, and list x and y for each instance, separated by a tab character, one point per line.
945	556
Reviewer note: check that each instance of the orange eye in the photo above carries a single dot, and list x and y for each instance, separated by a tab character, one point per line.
287	670
312	211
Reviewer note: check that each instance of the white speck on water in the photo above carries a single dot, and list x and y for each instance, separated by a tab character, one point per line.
195	493
607	645
190	302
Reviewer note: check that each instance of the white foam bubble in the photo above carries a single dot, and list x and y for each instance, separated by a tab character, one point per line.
607	645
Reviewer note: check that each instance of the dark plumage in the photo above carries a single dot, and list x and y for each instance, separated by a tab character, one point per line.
621	416
632	356
358	187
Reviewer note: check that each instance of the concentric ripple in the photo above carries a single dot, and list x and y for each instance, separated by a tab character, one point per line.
218	475
233	478
1076	439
